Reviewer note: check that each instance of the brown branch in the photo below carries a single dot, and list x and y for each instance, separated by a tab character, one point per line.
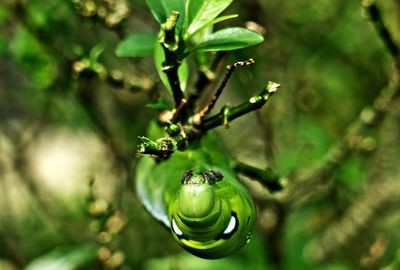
207	75
383	32
198	118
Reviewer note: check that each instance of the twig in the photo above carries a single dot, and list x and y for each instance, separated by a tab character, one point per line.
228	114
376	18
198	118
267	177
207	75
178	110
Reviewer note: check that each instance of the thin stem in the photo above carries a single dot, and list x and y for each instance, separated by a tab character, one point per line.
231	68
205	76
267	177
228	114
376	18
178	110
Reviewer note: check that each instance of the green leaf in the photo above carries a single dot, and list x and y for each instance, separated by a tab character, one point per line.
64	258
95	52
192	7
157	9
161	104
176	5
230	39
206	13
183	71
208	26
38	65
161	9
183	74
137	45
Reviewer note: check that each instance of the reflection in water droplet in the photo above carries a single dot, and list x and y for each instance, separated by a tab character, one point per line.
248	237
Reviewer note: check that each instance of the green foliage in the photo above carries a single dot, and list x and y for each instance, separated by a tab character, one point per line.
195	19
162	9
64	258
31	55
203	15
137	45
328	57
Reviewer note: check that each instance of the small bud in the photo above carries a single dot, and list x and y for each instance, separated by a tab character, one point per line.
95	226
116	260
78	66
115	223
89	9
368	116
103	253
166	116
111	20
368	144
255	27
104	237
100	70
102	12
98	207
367	3
173	129
117	75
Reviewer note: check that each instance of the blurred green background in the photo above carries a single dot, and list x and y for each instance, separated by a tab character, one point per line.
71	112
